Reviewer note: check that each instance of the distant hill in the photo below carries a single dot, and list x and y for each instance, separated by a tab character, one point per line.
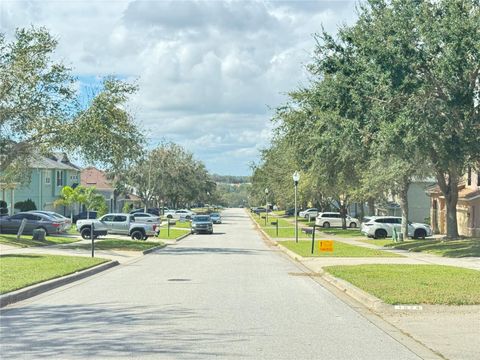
231	179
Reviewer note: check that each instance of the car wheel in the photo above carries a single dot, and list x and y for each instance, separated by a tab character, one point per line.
169	216
188	217
420	234
380	234
85	233
326	224
137	235
353	225
42	228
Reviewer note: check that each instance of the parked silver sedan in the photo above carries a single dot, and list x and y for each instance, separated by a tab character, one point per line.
11	224
66	222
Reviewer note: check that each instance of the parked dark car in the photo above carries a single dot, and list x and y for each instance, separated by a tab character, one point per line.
11	224
202	223
83	215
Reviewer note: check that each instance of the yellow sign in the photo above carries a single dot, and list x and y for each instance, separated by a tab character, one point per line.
326	245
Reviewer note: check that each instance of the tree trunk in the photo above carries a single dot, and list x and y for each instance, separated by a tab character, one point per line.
449	186
371	206
362	212
403	199
343	214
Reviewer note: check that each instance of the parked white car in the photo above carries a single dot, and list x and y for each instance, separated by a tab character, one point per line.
380	227
146	217
312	212
334	219
180	214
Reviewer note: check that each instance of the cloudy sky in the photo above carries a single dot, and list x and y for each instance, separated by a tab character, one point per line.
209	72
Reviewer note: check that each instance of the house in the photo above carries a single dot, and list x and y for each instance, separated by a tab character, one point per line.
91	176
418	202
47	178
468	206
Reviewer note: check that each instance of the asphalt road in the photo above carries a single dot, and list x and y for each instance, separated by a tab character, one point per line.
226	295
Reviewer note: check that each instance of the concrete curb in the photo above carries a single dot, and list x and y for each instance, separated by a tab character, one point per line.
354	292
182	237
148	251
37	289
358	294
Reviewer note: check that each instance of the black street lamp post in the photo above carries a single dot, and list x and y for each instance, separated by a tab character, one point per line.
296	178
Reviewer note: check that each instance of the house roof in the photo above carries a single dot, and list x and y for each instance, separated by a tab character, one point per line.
55	161
464	193
91	176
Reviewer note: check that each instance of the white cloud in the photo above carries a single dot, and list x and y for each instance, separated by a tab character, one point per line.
208	71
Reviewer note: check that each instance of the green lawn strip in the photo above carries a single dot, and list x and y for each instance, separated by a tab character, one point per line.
19	271
26	240
72	230
303	248
287	233
414	284
346	233
454	248
379	242
281	222
178	224
174	233
116	244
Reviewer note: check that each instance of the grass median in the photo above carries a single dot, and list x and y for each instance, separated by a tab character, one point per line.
26	240
414	284
18	271
116	244
174	233
303	248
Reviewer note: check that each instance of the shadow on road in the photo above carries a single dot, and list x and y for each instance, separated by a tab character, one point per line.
207	250
107	330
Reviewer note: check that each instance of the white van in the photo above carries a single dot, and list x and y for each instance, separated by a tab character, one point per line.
334	219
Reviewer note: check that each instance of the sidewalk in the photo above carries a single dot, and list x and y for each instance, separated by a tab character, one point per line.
120	256
317	263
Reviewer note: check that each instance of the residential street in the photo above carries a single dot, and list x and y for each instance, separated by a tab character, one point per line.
226	295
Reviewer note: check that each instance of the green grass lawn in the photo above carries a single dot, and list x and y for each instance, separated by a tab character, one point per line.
178	224
303	248
174	233
115	244
285	233
379	242
18	271
414	284
455	248
26	240
346	233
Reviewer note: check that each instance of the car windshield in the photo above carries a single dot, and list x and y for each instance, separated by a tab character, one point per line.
215	214
201	218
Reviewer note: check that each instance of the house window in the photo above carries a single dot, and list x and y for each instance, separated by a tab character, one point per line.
74	177
48	180
59	178
469	176
478	178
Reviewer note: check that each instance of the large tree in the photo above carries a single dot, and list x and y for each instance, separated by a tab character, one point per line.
40	109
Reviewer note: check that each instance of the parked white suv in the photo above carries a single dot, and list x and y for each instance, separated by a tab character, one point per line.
334	219
380	227
313	212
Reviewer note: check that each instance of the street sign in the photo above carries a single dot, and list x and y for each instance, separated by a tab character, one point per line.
326	245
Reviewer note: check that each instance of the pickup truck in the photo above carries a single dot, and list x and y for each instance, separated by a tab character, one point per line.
121	224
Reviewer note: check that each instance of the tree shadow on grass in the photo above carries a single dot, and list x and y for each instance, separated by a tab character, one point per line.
454	249
109	330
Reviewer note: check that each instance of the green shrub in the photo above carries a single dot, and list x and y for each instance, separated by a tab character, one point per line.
26	205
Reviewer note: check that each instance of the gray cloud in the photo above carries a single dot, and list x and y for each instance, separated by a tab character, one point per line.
209	71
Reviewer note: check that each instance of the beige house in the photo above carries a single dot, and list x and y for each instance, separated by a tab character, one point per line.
468	207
